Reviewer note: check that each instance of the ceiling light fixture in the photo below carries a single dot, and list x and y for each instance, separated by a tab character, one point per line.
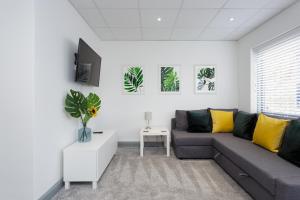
158	19
231	19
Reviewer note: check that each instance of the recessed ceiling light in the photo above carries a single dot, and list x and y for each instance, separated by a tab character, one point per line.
158	19
231	19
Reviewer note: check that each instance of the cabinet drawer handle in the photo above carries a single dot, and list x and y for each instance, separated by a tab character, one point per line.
243	174
217	155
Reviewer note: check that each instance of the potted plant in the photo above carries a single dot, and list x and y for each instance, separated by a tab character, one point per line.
79	106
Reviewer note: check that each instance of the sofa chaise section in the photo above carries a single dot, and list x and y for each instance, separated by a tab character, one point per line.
258	165
263	174
191	145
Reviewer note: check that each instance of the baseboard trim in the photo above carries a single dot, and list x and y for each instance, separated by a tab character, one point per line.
128	144
137	144
52	191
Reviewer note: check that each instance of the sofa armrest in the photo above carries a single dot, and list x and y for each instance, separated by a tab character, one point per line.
288	188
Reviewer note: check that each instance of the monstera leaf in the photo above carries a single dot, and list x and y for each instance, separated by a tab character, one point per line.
133	79
211	86
75	103
93	101
79	106
206	73
169	79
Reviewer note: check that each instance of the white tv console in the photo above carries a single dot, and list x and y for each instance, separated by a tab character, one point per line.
86	162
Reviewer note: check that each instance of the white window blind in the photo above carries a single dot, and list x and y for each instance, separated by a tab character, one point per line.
278	76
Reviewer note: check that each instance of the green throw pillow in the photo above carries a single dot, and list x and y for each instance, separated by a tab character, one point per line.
199	121
290	148
244	125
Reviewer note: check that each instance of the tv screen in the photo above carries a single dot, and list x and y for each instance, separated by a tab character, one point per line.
88	64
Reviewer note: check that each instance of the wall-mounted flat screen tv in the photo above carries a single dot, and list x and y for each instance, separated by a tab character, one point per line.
88	64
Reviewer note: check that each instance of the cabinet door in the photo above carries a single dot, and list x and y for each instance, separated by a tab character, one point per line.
80	166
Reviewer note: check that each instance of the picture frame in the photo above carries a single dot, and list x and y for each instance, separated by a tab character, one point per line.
169	79
205	79
133	80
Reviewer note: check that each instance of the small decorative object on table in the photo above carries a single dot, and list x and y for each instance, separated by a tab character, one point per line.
148	117
79	106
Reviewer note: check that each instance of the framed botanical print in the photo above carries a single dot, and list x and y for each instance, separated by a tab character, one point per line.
205	79
133	80
169	79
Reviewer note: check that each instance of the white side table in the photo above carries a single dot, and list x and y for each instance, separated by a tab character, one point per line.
155	132
86	162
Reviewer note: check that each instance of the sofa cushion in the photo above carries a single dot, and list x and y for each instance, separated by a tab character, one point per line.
244	125
263	166
268	132
290	148
181	120
184	138
222	121
234	110
198	121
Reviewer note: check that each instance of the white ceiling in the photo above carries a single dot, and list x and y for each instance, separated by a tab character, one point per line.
180	19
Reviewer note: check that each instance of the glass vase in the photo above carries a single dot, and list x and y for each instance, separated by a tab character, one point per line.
84	134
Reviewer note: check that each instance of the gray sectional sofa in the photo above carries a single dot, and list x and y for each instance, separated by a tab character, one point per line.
264	175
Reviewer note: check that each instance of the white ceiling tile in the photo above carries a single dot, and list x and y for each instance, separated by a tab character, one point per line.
117	3
239	15
92	17
137	19
246	3
104	33
127	33
185	34
160	3
279	3
156	33
82	4
149	18
203	3
121	17
195	18
215	33
262	16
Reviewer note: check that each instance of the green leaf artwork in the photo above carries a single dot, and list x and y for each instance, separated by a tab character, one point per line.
169	79
133	79
205	79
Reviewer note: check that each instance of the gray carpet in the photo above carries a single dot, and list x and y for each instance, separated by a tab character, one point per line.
157	177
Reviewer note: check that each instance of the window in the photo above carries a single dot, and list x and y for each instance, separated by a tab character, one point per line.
278	75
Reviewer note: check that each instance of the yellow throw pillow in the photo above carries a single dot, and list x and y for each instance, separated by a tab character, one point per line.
222	121
268	132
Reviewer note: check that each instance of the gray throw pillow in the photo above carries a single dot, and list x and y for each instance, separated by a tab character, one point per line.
181	120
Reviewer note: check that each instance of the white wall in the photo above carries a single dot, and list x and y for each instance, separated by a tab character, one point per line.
38	45
126	113
58	28
17	99
282	23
